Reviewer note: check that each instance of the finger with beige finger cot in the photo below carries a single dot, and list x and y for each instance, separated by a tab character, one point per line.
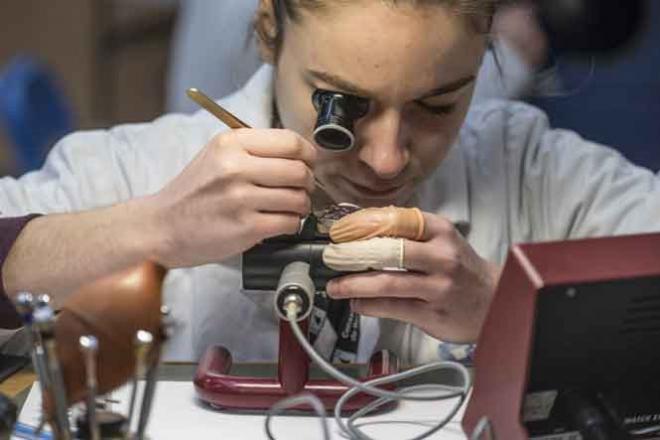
378	253
435	254
382	253
390	221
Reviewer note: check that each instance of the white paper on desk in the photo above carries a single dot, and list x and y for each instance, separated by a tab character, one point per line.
178	415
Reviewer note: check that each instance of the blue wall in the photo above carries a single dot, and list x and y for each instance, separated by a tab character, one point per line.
620	104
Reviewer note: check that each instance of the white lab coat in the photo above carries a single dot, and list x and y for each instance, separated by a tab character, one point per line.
508	179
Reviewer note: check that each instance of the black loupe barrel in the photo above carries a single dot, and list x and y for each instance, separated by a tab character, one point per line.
337	113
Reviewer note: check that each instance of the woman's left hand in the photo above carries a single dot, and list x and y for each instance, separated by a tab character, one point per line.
446	291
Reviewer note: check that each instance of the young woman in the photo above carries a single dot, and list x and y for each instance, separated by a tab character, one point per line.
187	193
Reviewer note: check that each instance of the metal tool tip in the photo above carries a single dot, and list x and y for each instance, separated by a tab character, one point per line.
89	343
25	299
143	337
43	300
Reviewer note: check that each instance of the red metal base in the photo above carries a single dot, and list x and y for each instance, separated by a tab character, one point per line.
216	386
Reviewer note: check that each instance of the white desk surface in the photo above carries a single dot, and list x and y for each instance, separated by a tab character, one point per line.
178	415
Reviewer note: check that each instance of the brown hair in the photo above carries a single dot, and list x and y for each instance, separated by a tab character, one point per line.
478	12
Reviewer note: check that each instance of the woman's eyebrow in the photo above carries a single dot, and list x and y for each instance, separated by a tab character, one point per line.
340	83
348	87
450	87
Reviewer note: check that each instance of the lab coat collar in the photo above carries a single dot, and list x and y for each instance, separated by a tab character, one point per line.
254	102
445	192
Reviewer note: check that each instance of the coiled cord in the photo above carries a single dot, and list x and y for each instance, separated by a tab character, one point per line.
349	428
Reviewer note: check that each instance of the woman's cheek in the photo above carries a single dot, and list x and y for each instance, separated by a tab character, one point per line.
430	143
432	153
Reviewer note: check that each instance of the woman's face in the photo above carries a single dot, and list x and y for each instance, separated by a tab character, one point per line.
416	64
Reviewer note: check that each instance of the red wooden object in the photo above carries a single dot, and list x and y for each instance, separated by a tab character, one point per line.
505	344
215	385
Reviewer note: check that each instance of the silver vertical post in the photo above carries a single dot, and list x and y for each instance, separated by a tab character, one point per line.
143	343
25	305
89	346
44	319
149	392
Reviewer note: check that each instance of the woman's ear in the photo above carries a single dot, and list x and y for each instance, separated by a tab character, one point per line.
266	29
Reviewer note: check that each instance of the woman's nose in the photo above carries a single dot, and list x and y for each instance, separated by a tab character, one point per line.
382	144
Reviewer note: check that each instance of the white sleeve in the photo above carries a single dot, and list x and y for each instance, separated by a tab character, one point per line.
574	188
81	172
93	169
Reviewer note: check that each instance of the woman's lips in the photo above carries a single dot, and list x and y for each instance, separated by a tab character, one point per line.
374	191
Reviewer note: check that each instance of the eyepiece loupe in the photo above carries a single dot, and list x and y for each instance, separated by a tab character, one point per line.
337	113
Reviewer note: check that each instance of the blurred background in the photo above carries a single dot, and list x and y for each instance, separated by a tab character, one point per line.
78	64
81	64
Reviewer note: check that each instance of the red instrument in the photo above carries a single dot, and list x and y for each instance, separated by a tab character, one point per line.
577	315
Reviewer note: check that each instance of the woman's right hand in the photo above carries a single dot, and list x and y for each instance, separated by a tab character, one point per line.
244	186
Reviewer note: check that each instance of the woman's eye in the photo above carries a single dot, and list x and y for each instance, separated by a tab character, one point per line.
444	109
